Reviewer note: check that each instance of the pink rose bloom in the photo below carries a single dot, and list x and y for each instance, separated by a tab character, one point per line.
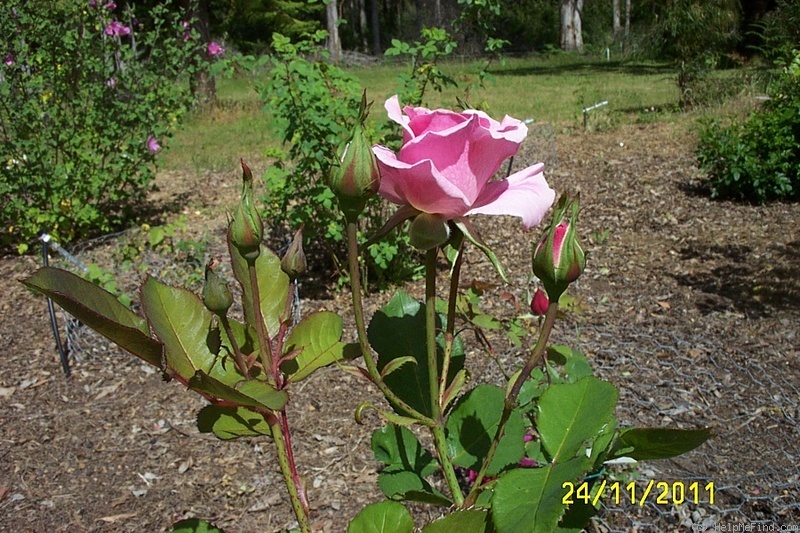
447	160
214	49
152	144
116	28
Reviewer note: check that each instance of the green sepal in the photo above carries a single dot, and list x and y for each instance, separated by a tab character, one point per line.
472	236
387	416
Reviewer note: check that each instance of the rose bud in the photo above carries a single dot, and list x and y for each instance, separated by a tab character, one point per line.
427	231
540	303
217	296
558	259
355	176
294	262
246	228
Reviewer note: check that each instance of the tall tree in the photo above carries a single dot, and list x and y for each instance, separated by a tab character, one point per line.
617	27
571	31
334	44
375	26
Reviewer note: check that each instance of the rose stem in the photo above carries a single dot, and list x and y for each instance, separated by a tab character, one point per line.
511	399
283	448
437	429
358	311
449	334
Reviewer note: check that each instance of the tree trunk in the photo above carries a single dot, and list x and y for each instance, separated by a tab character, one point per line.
334	44
627	19
375	26
362	24
617	20
571	32
203	86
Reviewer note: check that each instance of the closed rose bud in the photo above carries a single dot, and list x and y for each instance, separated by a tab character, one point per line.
559	260
246	229
294	262
539	304
217	296
354	176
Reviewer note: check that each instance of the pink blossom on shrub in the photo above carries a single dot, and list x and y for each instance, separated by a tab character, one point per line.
152	144
111	6
8	60
448	159
111	82
214	49
116	28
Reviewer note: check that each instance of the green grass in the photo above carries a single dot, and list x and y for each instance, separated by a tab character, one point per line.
553	89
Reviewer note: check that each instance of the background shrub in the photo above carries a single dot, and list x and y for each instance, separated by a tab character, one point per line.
314	105
758	160
88	96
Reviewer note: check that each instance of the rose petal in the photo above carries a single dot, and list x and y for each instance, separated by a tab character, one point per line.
524	194
467	155
419	185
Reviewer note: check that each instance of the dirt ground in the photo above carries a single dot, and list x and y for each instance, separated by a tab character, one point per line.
690	306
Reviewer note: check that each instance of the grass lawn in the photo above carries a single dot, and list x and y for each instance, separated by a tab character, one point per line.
545	89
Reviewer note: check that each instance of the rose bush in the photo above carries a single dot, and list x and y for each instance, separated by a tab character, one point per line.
448	159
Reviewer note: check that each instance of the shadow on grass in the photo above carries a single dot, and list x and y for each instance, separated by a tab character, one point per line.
586	67
753	286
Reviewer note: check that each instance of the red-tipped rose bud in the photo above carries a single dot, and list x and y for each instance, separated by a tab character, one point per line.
246	228
294	262
355	177
427	231
558	259
217	296
540	303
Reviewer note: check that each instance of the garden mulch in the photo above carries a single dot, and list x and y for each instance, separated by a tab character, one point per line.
690	306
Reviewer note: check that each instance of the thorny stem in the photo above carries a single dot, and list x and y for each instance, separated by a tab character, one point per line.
449	334
283	447
358	311
437	430
511	398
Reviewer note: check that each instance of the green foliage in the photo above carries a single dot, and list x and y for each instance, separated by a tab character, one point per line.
382	517
84	96
228	423
314	105
393	333
472	425
780	31
424	57
249	23
194	525
757	160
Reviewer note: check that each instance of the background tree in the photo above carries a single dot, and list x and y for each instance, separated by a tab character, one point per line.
571	28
